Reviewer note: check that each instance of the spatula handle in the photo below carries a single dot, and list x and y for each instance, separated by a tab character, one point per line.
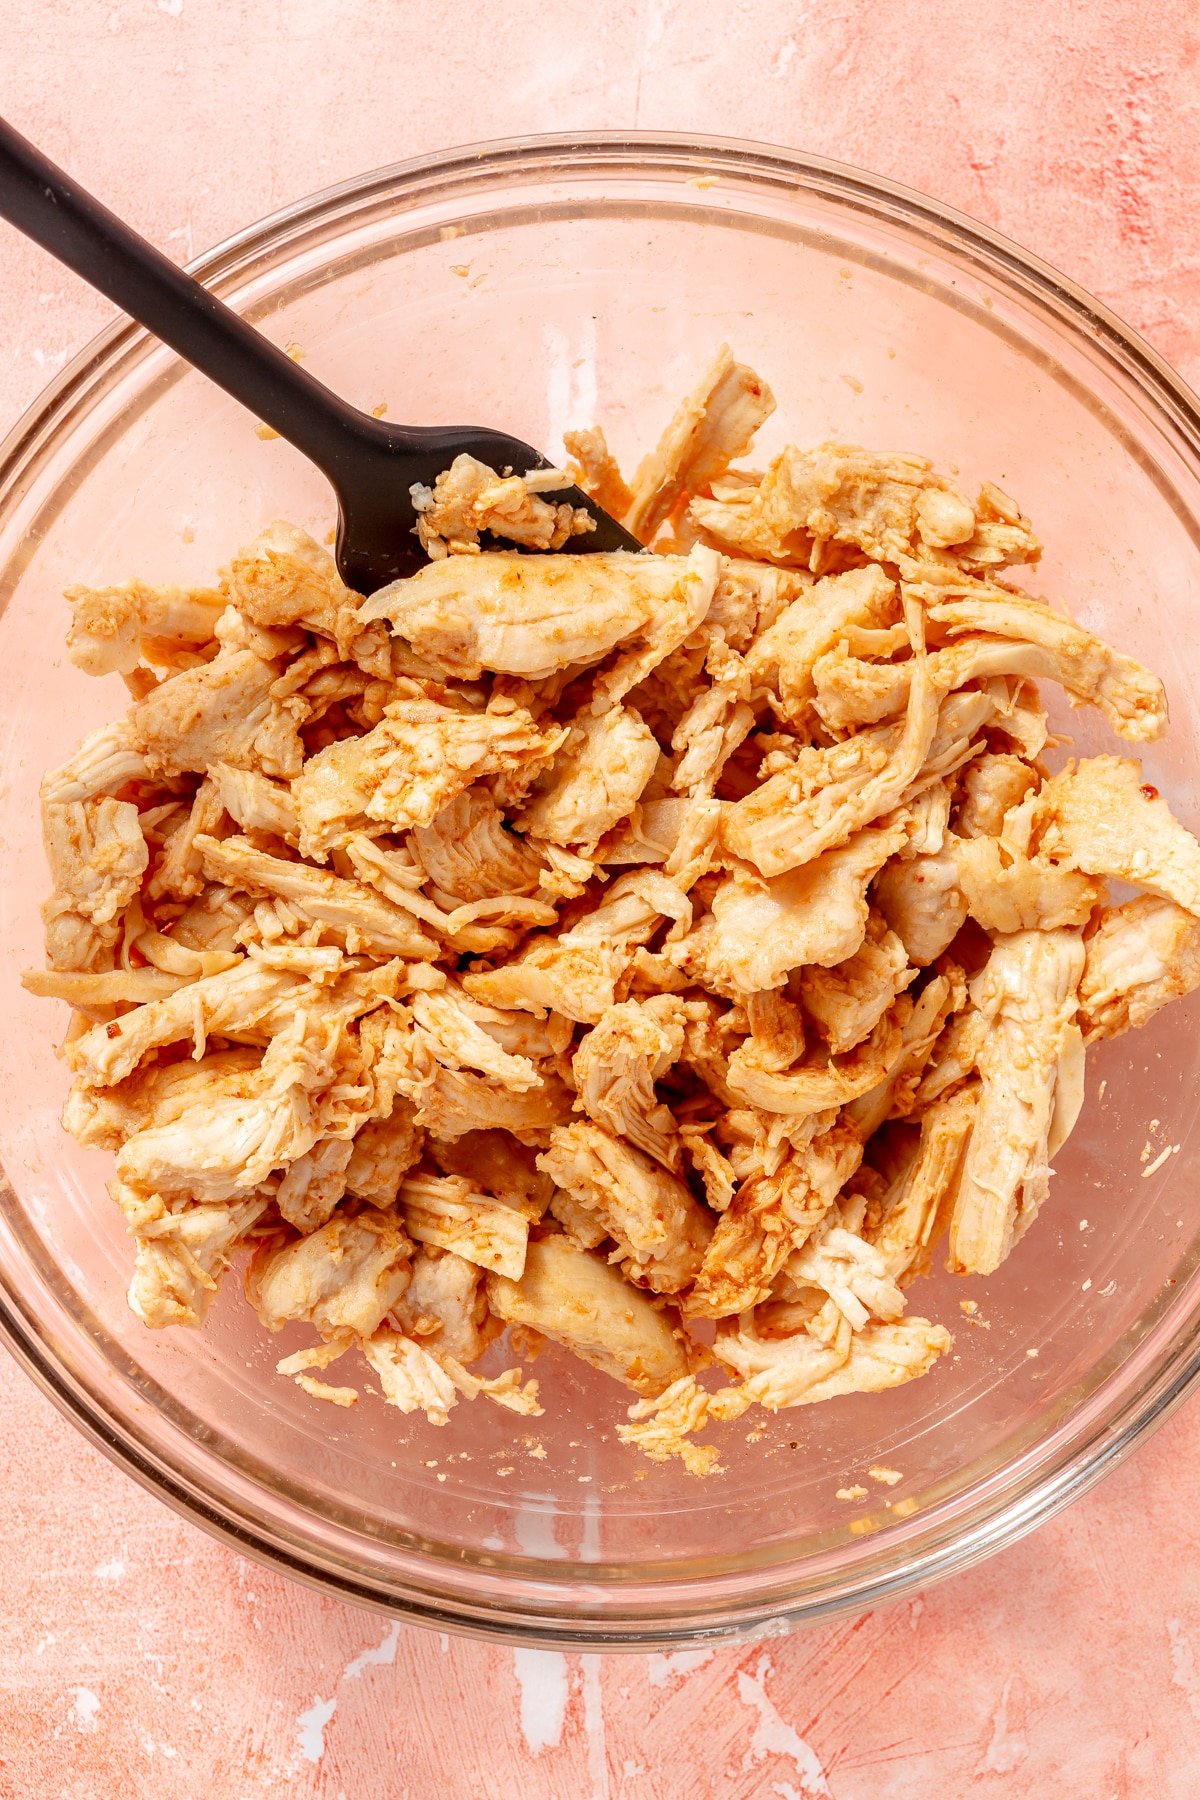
45	203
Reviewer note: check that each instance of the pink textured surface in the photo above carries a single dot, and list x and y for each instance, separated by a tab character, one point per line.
138	1657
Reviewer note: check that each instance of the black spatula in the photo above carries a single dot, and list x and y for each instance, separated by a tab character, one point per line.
371	464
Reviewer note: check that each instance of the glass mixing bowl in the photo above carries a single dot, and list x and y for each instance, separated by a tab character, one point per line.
537	286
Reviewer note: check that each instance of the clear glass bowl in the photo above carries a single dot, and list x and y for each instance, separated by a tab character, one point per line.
540	285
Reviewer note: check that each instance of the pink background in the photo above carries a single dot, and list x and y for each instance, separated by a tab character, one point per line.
139	1658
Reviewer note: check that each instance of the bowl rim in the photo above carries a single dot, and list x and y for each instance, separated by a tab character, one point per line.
1038	1492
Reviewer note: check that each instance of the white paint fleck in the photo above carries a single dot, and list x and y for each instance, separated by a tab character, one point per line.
660	1669
916	1610
593	1725
377	1656
172	8
773	1736
109	1571
542	1683
1006	1749
310	1729
85	1709
1184	1674
784	57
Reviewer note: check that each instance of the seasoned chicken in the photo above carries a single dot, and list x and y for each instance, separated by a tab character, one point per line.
354	913
445	1210
617	947
1099	816
599	475
286	579
769	1217
468	499
594	781
346	1277
420	755
181	1256
922	901
1142	954
1029	991
711	428
531	617
468	854
579	1301
97	857
616	1066
112	628
1131	699
800	1370
651	1216
846	1002
816	914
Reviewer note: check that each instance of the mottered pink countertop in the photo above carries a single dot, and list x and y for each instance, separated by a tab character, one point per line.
139	1660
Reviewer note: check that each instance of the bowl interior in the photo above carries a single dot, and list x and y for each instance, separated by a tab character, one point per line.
545	296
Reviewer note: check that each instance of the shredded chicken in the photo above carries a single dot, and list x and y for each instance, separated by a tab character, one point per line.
618	948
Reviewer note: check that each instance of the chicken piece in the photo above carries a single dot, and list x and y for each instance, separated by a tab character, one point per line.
815	914
420	755
363	918
418	1380
1006	891
254	802
576	972
533	615
446	1210
467	852
1143	954
895	1095
1131	699
457	1042
800	1370
595	780
922	902
719	719
769	1217
992	785
497	1164
213	713
615	1069
831	794
284	578
749	597
847	1001
106	761
783	660
841	494
649	835
346	1277
97	857
383	1152
468	499
1029	991
578	1301
452	1102
178	873
93	996
110	626
599	476
1098	816
659	1229
776	1030
813	1088
157	1093
712	427
846	1269
223	1146
214	921
445	1306
661	1428
181	1257
918	1205
314	1184
217	1006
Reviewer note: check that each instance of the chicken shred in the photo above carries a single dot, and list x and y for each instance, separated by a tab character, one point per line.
615	948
